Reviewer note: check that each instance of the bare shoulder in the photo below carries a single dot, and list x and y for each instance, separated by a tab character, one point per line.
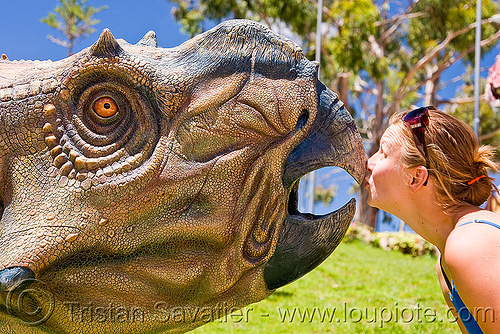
472	256
474	246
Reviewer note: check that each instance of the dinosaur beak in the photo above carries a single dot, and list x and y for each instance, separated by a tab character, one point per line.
307	240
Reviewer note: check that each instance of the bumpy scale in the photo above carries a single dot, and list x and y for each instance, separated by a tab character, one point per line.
147	189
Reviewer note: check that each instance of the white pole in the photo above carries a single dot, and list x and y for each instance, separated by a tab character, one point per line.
312	175
319	19
477	68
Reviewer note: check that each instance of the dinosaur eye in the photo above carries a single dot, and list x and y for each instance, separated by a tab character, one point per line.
105	107
101	131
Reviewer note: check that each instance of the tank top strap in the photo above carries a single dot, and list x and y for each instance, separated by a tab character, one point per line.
468	320
481	222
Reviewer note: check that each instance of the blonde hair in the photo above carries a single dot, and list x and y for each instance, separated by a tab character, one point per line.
458	165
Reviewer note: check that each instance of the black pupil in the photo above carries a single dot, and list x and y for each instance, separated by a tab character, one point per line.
107	105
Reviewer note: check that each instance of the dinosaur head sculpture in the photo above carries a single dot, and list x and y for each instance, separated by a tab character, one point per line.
137	182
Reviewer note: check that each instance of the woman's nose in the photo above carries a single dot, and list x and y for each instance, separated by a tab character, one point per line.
370	162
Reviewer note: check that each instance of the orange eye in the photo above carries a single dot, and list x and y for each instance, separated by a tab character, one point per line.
105	107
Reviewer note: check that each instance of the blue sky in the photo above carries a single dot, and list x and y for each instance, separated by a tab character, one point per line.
23	36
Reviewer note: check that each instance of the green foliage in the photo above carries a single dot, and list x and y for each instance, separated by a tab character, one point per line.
445	16
489	120
325	196
354	21
193	14
74	19
405	242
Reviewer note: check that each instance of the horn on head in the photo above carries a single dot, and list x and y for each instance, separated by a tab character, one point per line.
106	45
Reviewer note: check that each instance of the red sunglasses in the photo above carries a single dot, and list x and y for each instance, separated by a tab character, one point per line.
417	120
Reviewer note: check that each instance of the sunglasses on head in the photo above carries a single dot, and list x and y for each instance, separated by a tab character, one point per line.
417	120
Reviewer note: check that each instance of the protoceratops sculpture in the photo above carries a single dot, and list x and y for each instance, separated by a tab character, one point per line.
147	189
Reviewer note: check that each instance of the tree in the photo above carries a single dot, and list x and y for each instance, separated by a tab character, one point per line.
463	108
379	56
73	18
324	196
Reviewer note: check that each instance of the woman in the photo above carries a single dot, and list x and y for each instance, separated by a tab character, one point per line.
431	173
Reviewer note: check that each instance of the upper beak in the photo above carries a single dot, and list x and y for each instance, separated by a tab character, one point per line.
307	240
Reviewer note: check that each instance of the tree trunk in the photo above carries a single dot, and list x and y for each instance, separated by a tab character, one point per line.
343	88
367	215
70	46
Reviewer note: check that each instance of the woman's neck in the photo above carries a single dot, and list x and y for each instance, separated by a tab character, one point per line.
430	220
433	226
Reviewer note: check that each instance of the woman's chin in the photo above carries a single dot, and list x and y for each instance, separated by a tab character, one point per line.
373	203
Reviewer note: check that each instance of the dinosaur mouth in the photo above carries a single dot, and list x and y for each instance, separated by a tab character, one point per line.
306	240
293	204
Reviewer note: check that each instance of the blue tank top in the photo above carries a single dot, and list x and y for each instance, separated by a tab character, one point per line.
463	312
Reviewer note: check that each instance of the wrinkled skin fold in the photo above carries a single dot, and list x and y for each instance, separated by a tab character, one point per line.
151	190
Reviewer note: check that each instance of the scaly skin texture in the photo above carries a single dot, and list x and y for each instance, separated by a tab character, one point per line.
160	215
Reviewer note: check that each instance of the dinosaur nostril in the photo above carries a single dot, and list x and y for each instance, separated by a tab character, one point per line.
302	120
11	278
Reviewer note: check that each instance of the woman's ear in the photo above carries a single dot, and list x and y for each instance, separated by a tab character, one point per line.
419	176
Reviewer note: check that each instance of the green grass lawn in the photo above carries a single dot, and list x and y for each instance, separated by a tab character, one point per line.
364	289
